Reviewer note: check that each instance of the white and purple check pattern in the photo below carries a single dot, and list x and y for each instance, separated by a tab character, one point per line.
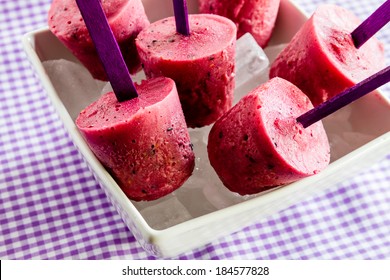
51	207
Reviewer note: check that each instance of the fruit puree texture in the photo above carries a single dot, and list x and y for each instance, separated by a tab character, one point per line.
202	64
322	60
143	142
258	144
256	17
126	19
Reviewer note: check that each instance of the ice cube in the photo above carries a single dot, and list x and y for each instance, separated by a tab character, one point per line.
221	197
338	146
200	135
164	213
138	77
74	84
107	88
194	200
199	176
199	138
339	121
144	204
273	51
251	66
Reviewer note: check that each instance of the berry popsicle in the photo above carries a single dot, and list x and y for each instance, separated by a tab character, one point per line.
322	59
256	17
126	18
258	144
202	64
138	132
143	142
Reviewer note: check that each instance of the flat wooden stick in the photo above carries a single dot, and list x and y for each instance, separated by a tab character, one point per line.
181	17
371	25
346	97
107	49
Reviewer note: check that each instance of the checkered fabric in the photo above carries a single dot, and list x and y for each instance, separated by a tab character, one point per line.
51	207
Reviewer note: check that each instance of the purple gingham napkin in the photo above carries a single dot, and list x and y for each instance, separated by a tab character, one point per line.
52	208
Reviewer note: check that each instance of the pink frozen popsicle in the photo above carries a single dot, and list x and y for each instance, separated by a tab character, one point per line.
322	60
126	18
254	16
202	64
143	142
258	144
138	132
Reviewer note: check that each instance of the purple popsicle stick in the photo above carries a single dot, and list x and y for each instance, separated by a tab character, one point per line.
371	25
107	49
344	98
181	17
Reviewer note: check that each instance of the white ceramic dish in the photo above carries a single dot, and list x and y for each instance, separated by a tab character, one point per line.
211	224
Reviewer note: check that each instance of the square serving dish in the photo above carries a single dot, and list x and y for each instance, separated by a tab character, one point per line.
358	135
